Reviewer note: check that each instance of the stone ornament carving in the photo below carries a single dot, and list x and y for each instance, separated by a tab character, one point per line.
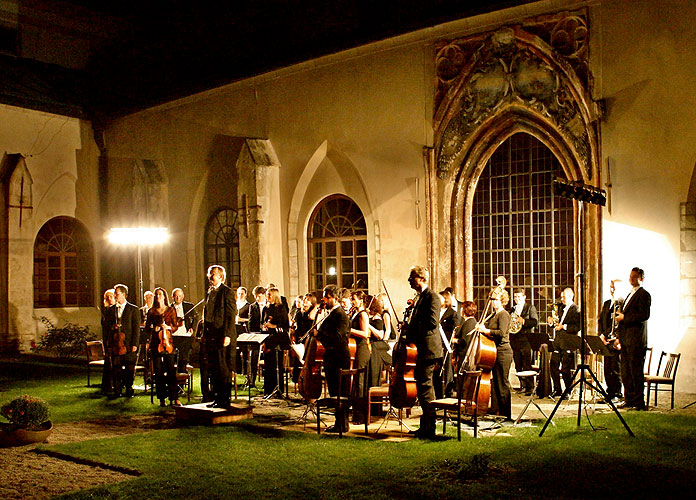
534	70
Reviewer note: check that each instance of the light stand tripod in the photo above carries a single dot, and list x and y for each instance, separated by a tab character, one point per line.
582	193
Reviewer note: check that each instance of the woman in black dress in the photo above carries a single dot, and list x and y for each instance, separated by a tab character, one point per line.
159	324
463	336
497	328
380	349
276	323
359	330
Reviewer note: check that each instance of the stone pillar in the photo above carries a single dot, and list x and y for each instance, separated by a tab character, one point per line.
261	243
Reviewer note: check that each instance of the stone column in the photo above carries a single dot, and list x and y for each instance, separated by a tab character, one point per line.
261	244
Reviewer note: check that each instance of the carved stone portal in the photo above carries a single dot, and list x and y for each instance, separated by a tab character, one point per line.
541	65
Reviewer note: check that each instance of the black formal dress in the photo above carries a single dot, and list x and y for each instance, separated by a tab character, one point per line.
501	399
633	337
333	334
278	340
423	331
163	363
380	354
521	348
220	310
563	361
125	340
362	360
107	339
612	363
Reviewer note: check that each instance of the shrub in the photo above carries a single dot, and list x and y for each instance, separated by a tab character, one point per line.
67	341
26	412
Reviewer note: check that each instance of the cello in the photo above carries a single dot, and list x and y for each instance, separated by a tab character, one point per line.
481	355
310	381
402	388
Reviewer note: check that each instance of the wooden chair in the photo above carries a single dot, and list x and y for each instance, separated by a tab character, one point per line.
460	405
668	376
648	361
95	356
343	400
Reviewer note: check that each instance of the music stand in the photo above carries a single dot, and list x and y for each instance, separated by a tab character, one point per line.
250	340
536	340
582	193
598	347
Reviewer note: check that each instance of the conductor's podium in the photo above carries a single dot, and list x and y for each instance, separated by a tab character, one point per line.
201	414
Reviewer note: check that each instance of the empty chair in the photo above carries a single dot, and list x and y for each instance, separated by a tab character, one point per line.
665	377
460	404
95	356
343	400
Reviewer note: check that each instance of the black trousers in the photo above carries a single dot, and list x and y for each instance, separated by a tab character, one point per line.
123	370
333	363
165	375
522	355
220	364
612	374
206	390
501	398
562	364
426	393
632	374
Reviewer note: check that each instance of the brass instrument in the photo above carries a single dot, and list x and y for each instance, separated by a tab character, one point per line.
516	322
553	320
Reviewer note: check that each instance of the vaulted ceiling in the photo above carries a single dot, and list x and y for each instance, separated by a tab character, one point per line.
101	59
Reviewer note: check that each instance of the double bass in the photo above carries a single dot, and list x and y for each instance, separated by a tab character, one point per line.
310	381
402	388
481	355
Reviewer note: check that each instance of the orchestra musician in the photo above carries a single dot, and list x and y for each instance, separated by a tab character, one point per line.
389	323
633	337
220	336
276	324
124	324
497	328
463	336
242	317
108	301
423	331
449	321
333	334
148	298
378	338
304	319
183	334
607	332
254	325
521	347
360	330
159	323
563	361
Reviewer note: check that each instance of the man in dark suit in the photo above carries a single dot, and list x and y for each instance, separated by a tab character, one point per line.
521	347
569	324
423	331
633	337
124	324
612	363
220	336
255	315
183	336
333	334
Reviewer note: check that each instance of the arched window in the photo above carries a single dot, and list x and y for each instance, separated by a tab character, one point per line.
337	242
63	265
520	229
221	242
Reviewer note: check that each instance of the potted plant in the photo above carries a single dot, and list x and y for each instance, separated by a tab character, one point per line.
29	421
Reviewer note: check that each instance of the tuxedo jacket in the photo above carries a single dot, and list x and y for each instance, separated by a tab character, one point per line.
572	319
449	321
530	316
243	312
606	314
219	312
333	334
255	317
423	325
633	330
130	325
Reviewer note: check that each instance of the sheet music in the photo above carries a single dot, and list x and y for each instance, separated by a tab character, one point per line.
252	337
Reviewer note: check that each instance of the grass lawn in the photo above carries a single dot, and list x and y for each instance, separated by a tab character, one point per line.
253	461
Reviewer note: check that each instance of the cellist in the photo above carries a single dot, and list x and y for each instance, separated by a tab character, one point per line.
160	321
422	330
497	328
333	334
